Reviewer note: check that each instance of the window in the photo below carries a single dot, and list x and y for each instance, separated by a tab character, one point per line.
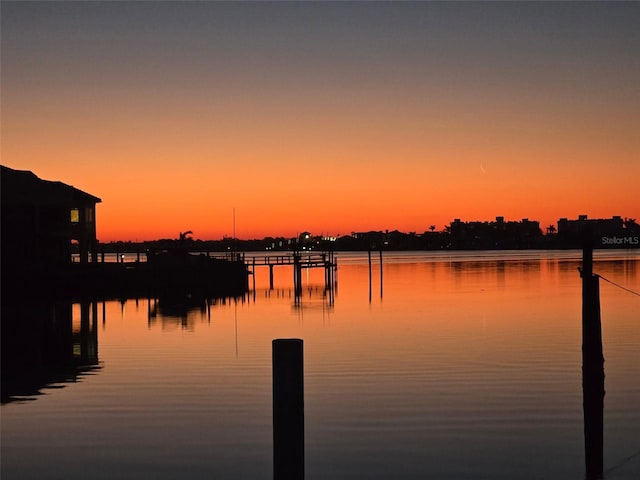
88	214
75	215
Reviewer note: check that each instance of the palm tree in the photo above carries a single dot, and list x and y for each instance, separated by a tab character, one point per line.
432	228
551	229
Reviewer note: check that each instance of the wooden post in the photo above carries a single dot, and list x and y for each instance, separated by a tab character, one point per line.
380	272
329	275
592	368
326	277
334	274
369	256
270	276
253	270
288	409
297	274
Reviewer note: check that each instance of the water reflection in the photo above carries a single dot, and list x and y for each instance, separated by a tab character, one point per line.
177	311
185	311
43	348
463	371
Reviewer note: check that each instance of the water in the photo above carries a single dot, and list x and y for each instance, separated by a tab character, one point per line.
464	365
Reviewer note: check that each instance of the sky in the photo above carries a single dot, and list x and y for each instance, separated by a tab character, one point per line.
327	117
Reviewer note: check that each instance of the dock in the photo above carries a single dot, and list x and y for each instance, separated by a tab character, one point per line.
299	261
172	275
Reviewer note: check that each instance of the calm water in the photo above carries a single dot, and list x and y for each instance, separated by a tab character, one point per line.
464	366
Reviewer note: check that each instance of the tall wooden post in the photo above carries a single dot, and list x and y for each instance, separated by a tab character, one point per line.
327	279
270	276
333	266
369	256
288	409
253	271
330	277
297	274
334	273
381	273
592	368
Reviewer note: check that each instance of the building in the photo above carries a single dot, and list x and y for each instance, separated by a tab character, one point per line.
43	222
498	234
603	232
595	226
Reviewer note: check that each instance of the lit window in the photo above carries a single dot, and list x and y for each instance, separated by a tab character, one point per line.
75	215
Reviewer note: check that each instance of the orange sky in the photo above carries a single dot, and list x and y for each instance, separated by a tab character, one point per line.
325	117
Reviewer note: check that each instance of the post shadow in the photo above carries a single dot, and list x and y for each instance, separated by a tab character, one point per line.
592	368
288	409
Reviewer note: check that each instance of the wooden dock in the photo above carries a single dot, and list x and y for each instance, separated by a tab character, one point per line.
165	276
299	261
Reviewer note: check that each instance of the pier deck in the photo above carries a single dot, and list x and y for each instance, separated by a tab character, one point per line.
299	261
310	260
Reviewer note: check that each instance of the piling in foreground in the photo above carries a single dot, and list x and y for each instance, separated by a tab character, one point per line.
592	369
288	409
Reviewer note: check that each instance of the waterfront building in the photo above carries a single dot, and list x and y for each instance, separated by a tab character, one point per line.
44	221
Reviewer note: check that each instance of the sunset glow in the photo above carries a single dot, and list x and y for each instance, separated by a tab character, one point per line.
325	117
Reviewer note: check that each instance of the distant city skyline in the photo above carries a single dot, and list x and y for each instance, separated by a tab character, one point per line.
545	229
497	234
327	117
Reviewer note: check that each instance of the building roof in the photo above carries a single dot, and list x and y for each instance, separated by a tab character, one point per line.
23	186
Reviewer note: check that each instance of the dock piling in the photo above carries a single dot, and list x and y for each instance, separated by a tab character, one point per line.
380	272
288	409
253	271
369	257
592	368
270	276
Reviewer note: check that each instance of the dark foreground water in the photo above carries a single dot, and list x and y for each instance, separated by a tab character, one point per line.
459	367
